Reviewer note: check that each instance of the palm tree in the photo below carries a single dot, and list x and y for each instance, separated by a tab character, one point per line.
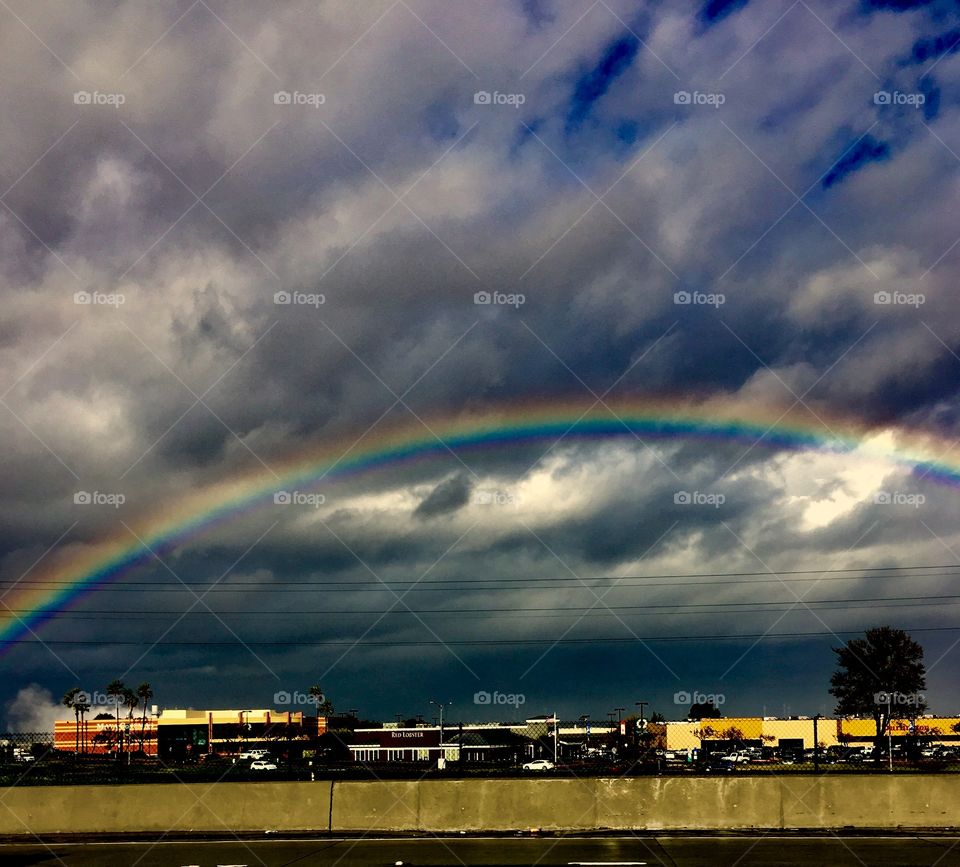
144	693
82	707
130	702
115	690
71	700
322	704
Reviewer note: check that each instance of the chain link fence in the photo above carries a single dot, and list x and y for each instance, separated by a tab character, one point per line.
723	745
630	746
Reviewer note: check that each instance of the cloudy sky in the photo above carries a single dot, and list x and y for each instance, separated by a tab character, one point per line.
746	208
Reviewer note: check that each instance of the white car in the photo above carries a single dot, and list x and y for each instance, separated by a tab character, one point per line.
263	765
254	754
539	765
736	758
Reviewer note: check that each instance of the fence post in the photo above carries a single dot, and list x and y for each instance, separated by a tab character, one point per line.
816	743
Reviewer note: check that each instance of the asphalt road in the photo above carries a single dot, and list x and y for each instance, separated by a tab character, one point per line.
688	851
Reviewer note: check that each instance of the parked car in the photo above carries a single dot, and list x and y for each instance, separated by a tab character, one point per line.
263	765
255	754
737	757
539	765
718	766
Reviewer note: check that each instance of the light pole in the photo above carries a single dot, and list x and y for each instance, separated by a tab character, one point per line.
641	705
585	719
442	705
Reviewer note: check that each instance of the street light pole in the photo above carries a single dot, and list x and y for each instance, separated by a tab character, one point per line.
556	729
442	705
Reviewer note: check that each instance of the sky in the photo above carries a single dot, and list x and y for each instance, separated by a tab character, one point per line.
233	234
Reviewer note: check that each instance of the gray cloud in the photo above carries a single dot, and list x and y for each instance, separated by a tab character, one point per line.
303	199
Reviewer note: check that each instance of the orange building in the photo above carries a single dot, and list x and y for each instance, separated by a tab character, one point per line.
100	736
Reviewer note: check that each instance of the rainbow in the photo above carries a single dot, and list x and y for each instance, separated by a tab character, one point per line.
66	576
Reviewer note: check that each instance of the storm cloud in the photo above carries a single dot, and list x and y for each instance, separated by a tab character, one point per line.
232	235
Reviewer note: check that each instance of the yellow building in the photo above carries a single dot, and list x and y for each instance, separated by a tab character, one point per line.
932	729
798	733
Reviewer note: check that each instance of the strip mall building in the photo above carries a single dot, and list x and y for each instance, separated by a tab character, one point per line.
178	734
798	732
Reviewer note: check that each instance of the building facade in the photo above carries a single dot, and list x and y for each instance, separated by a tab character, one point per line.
104	737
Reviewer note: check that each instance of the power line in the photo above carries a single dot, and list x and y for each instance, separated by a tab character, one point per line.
494	642
557	610
480	583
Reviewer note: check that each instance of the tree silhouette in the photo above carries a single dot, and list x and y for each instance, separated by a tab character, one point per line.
115	689
877	672
144	693
323	704
82	706
703	710
71	699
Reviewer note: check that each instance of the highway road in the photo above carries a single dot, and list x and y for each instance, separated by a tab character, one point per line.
651	851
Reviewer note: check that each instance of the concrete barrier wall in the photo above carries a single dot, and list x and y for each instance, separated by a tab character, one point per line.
649	803
206	807
637	804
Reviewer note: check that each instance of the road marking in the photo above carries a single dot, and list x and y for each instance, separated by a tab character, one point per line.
605	863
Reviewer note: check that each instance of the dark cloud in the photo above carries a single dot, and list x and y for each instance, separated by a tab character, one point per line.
447	497
593	84
865	151
935	47
716	10
893	5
